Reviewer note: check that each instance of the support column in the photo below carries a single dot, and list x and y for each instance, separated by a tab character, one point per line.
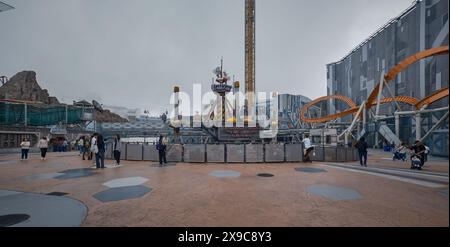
380	93
418	126
345	139
397	125
376	139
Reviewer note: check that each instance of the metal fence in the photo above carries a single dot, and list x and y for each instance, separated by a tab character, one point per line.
16	114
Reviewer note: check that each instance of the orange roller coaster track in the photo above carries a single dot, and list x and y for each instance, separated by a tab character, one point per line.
372	99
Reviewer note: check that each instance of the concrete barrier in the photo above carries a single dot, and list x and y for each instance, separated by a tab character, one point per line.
215	153
274	153
109	151
150	153
349	154
294	152
341	153
134	151
174	153
235	153
254	153
319	154
194	153
330	154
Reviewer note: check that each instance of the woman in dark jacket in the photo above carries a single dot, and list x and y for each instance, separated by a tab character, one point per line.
100	156
117	146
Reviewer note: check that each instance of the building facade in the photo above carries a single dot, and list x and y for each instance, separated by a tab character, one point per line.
422	26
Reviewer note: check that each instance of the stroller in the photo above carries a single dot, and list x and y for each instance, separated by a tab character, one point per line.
416	162
399	156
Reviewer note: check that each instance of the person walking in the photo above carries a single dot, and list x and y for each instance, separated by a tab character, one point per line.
43	146
94	148
80	144
419	150
308	149
161	147
87	149
100	155
427	151
65	145
362	146
117	146
25	147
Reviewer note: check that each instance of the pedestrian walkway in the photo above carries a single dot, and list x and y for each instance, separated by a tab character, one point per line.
139	193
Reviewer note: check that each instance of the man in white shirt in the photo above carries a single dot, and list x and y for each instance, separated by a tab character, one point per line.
308	149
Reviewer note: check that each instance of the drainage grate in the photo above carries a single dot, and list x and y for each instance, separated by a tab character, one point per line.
56	193
265	175
12	219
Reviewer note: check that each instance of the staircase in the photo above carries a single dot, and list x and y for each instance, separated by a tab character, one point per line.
210	132
387	133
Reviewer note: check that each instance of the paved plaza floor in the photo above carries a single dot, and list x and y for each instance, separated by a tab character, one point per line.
67	191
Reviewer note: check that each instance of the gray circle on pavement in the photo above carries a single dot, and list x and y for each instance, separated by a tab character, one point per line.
310	169
122	193
334	193
225	174
75	173
44	210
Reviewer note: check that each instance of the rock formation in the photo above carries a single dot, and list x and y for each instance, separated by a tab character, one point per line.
23	86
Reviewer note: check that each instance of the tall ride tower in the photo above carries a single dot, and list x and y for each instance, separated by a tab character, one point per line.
250	51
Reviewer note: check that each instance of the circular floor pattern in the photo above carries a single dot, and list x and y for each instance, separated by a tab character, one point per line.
42	176
265	175
310	169
334	193
12	219
122	193
44	210
75	173
124	182
225	174
112	166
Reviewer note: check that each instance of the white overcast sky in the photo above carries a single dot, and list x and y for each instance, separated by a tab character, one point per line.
132	52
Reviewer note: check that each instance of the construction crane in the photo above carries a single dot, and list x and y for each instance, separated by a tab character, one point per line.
250	51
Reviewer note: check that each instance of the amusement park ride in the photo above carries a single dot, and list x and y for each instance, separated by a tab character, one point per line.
362	114
375	100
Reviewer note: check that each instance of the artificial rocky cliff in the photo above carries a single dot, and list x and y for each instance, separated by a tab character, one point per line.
24	86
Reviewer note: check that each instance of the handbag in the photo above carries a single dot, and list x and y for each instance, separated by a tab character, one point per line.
94	147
